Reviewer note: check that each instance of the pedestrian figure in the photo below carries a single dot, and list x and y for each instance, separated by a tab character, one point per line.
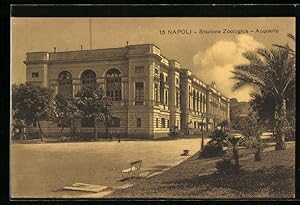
110	135
119	136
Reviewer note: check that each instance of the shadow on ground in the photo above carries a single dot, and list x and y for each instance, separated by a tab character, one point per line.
246	181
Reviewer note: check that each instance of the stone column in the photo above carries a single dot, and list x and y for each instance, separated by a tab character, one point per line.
76	86
202	103
124	94
54	86
101	82
198	101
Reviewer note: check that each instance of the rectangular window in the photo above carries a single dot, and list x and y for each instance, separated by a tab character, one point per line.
115	122
177	81
156	122
139	69
138	122
139	93
177	98
166	100
168	123
162	93
156	92
163	122
35	75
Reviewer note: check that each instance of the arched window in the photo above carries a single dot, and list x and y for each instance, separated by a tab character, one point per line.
113	84
88	78
65	82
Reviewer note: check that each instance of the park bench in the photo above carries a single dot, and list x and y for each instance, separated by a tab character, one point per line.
185	152
134	169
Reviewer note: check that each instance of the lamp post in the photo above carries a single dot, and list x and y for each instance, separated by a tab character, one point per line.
202	134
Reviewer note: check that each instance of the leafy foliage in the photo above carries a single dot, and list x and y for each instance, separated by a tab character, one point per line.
31	104
93	104
272	74
63	111
234	141
224	124
225	166
250	126
211	150
218	137
237	111
215	146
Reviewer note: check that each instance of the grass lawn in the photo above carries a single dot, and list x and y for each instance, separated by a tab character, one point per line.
273	177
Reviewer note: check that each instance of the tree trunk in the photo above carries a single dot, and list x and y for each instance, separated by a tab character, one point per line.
24	134
236	157
95	130
258	154
106	126
72	128
61	130
220	145
40	130
280	123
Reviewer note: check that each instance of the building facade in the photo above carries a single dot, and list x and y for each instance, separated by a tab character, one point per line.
151	94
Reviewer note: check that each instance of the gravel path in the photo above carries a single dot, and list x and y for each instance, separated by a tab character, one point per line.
41	170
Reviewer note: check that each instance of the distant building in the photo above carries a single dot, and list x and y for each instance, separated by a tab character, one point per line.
151	94
239	108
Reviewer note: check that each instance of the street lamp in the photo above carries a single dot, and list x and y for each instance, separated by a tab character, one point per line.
202	134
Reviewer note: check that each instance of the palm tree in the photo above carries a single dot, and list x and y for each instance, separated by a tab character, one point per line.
218	137
270	73
292	52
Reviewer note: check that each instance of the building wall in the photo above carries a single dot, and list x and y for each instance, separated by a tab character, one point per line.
173	96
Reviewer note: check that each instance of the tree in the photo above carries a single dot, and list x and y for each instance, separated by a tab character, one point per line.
224	124
252	128
271	73
93	105
31	104
218	136
292	52
106	113
214	147
234	141
63	111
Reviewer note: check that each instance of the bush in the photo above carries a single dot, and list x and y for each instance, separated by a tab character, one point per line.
212	150
248	143
226	167
290	135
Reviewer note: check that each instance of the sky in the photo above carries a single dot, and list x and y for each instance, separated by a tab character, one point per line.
211	56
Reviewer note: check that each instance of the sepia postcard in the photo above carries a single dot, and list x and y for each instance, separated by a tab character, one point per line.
152	107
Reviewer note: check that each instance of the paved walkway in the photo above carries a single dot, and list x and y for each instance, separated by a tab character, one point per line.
41	170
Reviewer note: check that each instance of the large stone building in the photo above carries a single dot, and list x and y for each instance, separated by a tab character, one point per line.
151	94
